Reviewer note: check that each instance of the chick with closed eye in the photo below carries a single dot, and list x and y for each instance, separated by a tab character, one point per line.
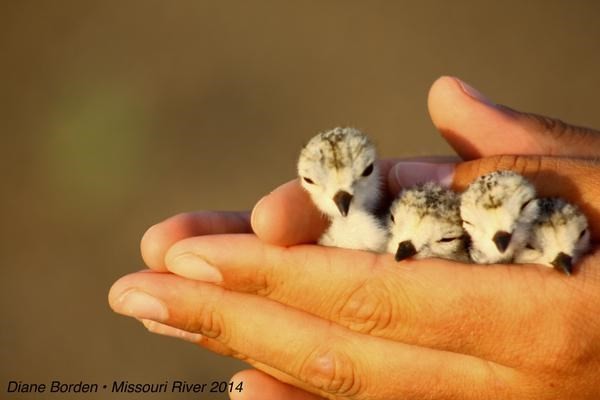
425	222
559	236
498	210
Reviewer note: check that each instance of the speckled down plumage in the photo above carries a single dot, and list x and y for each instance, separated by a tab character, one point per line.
559	236
344	161
499	203
426	219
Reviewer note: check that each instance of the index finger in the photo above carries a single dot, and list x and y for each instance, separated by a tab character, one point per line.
158	238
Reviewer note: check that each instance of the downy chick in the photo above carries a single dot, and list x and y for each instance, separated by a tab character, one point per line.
559	236
497	210
338	169
425	222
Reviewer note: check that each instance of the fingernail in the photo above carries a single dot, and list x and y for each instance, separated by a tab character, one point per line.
166	330
138	304
474	93
191	266
409	173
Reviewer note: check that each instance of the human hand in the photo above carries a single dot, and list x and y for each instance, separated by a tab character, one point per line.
398	270
336	322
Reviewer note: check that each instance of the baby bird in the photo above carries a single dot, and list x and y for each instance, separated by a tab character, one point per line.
425	222
338	169
559	236
497	210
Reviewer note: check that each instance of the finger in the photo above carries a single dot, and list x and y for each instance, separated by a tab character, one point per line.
323	355
260	386
476	127
158	238
408	173
287	216
576	180
221	349
166	330
432	303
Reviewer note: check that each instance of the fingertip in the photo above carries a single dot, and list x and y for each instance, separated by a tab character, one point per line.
287	216
450	100
468	120
152	249
253	385
158	238
444	88
260	219
119	287
450	88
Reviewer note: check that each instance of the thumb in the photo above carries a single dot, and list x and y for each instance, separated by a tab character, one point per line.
476	127
575	180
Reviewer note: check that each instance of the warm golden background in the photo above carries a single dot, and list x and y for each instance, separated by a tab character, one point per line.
117	114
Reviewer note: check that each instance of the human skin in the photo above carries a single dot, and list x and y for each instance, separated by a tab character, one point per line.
324	322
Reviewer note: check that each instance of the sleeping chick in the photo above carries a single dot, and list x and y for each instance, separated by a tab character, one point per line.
559	236
425	222
497	210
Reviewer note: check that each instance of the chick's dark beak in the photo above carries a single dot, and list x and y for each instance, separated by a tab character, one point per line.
342	201
502	240
405	249
563	262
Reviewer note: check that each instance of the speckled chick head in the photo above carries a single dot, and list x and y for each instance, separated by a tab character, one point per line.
497	211
559	236
425	222
338	169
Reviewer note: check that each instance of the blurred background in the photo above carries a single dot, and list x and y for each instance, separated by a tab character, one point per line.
117	114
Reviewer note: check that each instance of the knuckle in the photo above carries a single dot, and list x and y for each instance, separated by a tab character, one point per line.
332	371
525	165
263	281
529	166
549	125
467	172
209	322
367	308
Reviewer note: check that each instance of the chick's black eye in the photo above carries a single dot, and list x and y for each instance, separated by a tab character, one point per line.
525	204
582	233
447	240
308	180
392	217
368	170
